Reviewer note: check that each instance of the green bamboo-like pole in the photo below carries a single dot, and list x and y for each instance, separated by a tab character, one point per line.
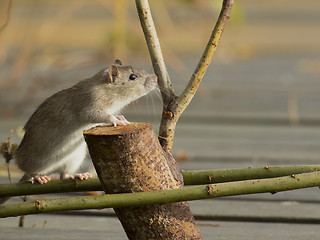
272	185
54	186
240	174
189	177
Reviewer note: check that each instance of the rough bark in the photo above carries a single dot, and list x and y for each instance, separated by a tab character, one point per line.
130	159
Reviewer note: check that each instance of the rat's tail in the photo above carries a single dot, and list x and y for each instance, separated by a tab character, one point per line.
25	177
4	199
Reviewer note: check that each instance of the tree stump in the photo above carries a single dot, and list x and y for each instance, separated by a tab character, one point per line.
130	159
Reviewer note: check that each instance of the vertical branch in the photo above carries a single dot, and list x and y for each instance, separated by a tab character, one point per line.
153	43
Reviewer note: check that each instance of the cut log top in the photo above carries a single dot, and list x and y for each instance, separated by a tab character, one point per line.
104	130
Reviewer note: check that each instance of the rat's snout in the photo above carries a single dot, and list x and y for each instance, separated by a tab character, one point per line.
151	82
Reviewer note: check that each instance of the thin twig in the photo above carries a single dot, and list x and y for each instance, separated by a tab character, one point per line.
153	43
9	173
188	93
173	111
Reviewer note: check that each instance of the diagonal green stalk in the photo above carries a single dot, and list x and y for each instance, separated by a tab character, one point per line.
189	177
272	185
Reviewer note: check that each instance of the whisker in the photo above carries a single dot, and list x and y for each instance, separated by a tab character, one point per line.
153	105
157	92
163	91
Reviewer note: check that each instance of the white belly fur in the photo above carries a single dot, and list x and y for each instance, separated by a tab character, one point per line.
70	157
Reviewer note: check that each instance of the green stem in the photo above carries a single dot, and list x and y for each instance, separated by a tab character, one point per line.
189	177
272	185
54	186
239	174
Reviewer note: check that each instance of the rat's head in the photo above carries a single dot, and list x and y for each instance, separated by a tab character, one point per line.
129	81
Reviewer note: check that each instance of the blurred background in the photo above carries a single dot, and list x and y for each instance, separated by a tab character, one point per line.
258	103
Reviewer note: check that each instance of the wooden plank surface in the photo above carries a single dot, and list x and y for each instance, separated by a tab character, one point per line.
245	210
73	227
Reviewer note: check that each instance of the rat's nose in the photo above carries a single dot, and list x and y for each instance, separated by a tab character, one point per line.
151	81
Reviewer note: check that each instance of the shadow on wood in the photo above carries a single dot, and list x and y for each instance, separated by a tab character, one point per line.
130	159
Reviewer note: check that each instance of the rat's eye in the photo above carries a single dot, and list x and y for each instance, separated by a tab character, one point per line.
132	77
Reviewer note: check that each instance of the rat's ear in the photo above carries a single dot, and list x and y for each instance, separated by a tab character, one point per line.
112	73
118	62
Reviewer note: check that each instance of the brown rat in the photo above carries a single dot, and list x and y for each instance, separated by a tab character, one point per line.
53	140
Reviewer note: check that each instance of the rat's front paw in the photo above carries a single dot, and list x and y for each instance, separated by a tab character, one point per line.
40	179
118	120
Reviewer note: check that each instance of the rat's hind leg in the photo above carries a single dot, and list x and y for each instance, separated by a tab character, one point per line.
73	162
35	178
28	177
81	176
42	179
